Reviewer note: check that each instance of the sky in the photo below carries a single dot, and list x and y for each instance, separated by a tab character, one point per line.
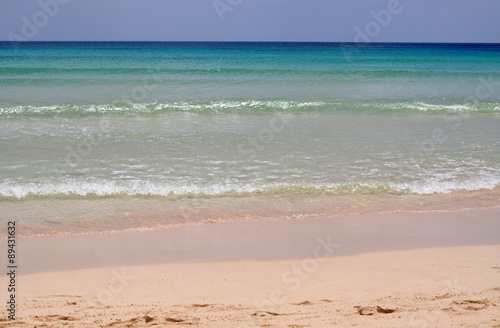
251	20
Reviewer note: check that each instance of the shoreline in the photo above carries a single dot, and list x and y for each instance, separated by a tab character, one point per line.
294	217
264	239
60	217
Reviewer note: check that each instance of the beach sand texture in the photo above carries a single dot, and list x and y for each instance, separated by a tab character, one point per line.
362	271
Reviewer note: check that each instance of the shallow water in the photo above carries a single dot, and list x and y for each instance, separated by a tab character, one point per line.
127	135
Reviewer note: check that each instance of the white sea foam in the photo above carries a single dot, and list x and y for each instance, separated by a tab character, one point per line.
240	106
447	186
101	188
453	108
120	107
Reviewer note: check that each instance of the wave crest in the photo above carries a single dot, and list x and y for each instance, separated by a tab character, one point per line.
239	106
106	188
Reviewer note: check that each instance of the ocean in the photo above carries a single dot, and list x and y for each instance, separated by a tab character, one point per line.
103	136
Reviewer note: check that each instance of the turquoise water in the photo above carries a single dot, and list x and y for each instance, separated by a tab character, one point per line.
46	74
224	123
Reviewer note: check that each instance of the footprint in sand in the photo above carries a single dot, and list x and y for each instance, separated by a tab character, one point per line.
174	320
55	317
200	305
470	305
14	323
134	322
371	310
265	313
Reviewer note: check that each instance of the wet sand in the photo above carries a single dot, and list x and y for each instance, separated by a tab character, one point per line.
424	269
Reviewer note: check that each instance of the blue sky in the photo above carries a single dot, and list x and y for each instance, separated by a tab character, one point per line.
251	20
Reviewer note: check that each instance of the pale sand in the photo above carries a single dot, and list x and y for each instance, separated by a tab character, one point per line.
432	269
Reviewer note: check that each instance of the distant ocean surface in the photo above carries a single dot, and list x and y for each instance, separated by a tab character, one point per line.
113	136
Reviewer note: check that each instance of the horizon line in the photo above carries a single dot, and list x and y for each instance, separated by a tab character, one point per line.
323	42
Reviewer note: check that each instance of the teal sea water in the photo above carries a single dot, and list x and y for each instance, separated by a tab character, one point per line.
93	133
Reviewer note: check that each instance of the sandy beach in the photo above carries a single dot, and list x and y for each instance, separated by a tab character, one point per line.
428	269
